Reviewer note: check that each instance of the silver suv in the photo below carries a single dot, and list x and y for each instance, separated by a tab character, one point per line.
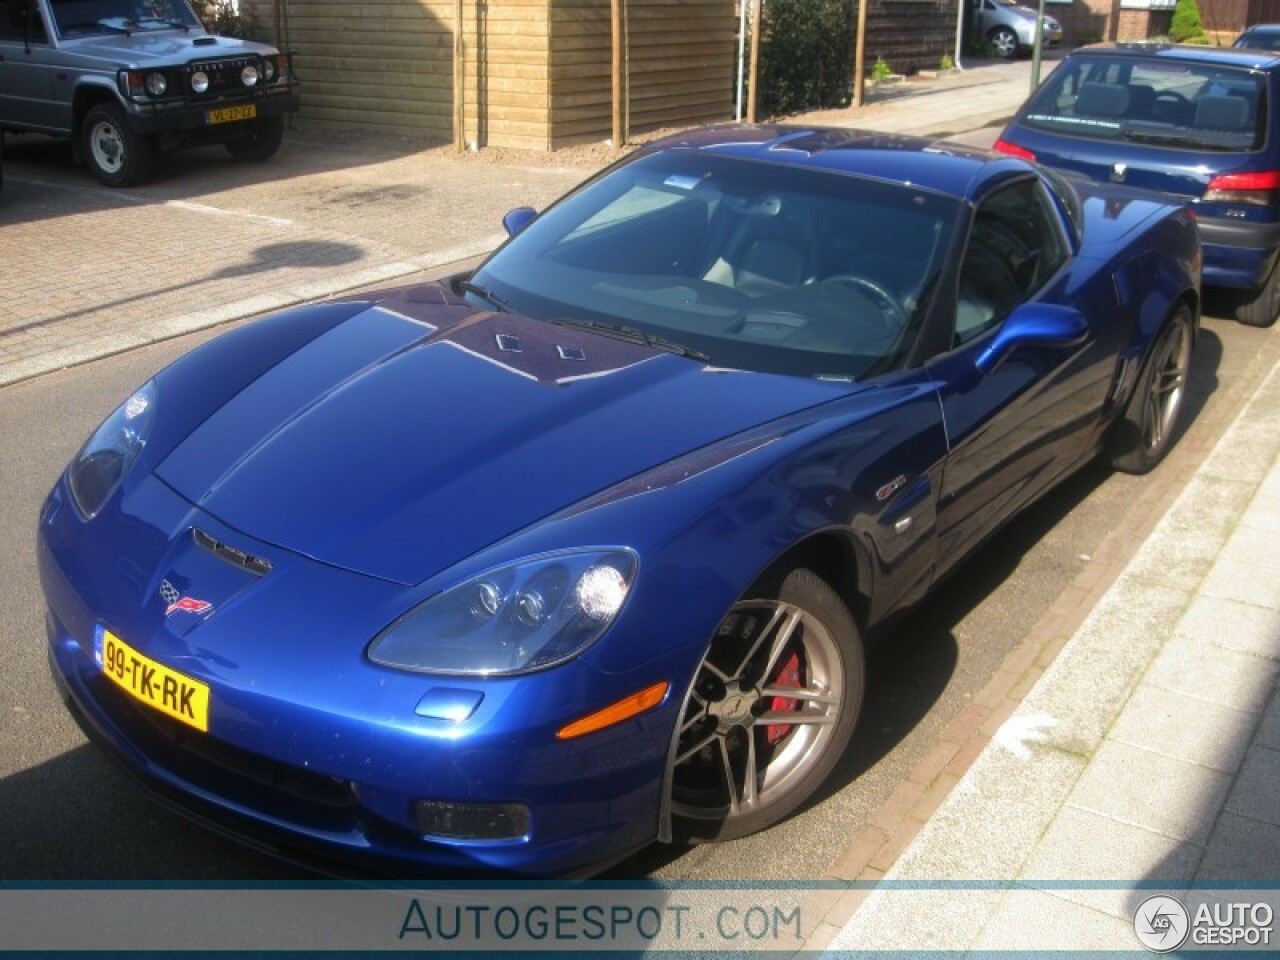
125	79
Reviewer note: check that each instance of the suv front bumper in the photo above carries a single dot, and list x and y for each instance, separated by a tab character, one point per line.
193	119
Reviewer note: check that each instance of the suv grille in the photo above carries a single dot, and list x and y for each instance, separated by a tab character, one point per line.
224	76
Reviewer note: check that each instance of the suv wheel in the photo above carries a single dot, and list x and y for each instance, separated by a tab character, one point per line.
1004	43
116	155
260	142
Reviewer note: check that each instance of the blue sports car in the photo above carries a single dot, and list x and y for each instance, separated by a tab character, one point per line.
524	570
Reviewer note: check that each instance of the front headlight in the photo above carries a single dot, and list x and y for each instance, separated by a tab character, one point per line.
107	456
516	618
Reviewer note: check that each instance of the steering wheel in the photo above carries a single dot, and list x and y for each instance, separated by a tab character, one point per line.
892	314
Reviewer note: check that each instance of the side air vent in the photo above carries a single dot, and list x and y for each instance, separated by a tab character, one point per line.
229	554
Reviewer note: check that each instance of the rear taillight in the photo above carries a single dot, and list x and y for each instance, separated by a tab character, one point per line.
1259	188
1012	149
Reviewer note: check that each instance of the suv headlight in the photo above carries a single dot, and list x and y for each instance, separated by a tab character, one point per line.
516	618
108	455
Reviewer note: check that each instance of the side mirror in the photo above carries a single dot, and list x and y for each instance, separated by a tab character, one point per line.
517	219
1034	325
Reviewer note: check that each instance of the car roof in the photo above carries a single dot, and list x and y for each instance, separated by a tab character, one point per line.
940	166
1221	56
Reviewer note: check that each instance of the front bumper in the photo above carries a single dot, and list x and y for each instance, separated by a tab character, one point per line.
319	756
192	118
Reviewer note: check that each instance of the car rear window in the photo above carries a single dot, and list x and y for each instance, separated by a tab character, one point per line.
1156	101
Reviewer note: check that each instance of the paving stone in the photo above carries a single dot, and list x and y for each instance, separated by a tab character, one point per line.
1246	582
1152	791
1269	729
1241	849
1106	857
1038	920
1233	625
1182	549
919	920
1187	729
1204	671
1257	789
1094	674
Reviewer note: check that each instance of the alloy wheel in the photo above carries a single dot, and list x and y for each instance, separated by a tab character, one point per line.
762	710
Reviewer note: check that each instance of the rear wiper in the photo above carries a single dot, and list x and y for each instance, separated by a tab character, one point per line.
1141	136
632	335
485	294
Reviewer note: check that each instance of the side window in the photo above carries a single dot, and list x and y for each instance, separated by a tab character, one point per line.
1015	246
20	22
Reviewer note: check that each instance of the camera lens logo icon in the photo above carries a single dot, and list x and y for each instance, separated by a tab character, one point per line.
1161	923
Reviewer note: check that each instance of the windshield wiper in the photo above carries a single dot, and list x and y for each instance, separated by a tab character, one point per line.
485	294
93	25
167	22
632	335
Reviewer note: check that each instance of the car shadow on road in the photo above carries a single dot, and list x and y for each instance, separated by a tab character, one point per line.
77	817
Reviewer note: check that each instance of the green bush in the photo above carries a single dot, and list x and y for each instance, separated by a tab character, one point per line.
881	70
1186	26
806	56
221	17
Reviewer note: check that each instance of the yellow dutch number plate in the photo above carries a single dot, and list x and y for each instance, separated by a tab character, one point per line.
155	684
228	114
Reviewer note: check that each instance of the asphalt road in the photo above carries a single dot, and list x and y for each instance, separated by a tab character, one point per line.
70	814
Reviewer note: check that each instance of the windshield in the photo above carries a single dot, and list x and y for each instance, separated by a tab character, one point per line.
755	266
81	17
1160	102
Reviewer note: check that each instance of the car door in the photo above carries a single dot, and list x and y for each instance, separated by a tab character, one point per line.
25	76
1014	423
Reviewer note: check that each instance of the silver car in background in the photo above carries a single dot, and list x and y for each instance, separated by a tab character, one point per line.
1009	27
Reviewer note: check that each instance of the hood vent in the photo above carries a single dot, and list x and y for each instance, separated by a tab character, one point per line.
229	554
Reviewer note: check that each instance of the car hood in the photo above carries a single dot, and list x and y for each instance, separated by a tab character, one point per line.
159	47
406	439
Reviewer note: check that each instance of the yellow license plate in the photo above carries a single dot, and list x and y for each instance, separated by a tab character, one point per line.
154	684
228	114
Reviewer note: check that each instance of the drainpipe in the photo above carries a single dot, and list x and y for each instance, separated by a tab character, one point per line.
964	6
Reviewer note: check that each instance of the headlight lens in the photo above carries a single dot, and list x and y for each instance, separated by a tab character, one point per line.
199	81
268	70
108	455
156	84
520	617
249	75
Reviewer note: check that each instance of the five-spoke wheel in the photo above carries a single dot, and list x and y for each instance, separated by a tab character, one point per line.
1146	431
770	710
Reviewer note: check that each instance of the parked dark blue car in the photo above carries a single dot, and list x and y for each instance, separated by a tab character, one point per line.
1197	124
1261	36
527	569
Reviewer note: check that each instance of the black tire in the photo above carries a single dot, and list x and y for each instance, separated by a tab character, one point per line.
1004	43
734	774
116	155
1146	431
260	142
1258	308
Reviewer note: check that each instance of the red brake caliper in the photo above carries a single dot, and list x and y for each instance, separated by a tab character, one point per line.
787	675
